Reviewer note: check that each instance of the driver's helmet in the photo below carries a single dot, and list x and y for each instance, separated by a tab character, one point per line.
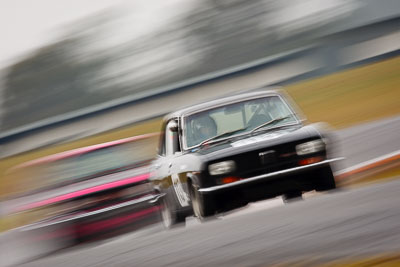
203	127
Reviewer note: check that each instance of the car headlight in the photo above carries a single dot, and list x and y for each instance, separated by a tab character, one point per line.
310	147
222	167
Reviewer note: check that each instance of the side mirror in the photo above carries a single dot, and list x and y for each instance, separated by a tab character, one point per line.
173	126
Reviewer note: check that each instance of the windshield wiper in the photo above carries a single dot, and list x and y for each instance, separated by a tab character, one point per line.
269	123
228	133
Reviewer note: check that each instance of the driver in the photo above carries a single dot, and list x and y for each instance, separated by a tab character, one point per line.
203	127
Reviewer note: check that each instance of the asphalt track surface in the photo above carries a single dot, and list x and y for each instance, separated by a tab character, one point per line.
347	223
355	223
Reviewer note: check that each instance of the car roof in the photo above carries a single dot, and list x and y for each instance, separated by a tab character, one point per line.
80	151
255	93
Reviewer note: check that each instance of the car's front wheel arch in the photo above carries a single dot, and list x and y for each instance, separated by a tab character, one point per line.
202	205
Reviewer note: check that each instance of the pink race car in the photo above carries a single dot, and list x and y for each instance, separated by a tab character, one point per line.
86	193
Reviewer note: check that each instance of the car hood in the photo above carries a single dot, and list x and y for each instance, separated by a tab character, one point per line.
241	144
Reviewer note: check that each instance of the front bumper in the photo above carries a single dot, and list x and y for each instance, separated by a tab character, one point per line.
266	177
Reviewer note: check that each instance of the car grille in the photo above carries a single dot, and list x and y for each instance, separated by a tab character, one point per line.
265	160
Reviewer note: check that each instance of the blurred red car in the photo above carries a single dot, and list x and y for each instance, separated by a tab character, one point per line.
88	192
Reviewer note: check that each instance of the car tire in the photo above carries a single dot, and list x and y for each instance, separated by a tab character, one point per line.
202	207
292	196
325	180
170	218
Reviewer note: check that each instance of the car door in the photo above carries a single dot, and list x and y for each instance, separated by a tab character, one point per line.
179	181
174	162
167	177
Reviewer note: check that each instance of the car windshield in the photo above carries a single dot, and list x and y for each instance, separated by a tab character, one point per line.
237	118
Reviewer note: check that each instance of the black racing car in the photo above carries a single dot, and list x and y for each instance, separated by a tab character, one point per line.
223	154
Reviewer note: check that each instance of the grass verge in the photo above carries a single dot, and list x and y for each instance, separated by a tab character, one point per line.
353	96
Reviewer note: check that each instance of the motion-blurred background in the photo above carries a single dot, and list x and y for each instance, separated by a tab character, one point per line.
79	73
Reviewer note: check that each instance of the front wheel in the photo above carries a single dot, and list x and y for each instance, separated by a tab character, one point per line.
325	180
170	219
292	196
202	206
